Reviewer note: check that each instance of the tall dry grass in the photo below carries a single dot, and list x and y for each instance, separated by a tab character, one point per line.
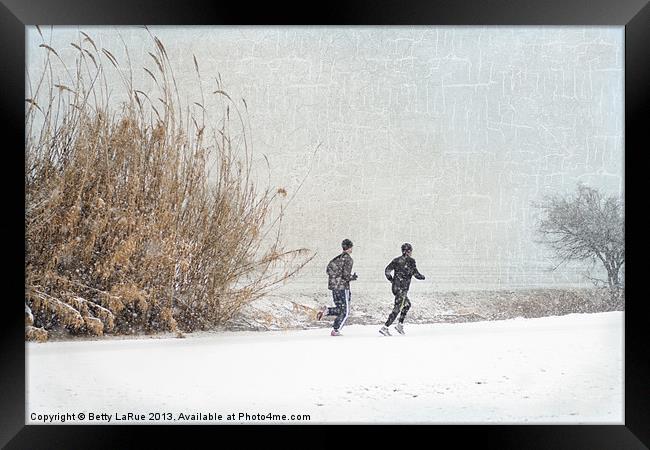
141	217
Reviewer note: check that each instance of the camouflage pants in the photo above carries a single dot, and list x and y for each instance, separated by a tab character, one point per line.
342	308
402	303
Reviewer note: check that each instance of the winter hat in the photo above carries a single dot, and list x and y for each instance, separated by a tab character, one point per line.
406	247
346	244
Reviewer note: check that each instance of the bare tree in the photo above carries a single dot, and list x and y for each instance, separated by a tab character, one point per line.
588	226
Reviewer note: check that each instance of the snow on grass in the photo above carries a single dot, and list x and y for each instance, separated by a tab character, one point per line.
566	369
295	306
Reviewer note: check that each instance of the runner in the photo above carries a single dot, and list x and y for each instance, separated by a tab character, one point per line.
339	270
403	268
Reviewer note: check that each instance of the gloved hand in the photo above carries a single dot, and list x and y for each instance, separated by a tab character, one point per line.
354	276
419	277
389	277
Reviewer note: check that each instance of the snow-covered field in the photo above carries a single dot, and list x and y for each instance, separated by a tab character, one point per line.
566	369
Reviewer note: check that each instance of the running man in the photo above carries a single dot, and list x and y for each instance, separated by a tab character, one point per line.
403	268
340	274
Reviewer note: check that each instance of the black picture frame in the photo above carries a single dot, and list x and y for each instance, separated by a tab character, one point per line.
634	15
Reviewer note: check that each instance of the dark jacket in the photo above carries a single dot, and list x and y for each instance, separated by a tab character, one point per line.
339	271
403	268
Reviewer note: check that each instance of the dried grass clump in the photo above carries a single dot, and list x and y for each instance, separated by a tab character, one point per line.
127	228
35	334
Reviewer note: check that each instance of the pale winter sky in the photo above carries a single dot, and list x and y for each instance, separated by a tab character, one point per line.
439	136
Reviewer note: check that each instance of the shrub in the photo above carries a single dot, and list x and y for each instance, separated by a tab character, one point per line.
127	227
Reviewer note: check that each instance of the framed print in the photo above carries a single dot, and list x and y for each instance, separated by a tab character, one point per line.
387	214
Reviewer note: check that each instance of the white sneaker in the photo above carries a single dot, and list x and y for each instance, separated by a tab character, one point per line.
400	328
384	330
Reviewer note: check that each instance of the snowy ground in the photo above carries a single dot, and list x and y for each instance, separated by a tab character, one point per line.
553	370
